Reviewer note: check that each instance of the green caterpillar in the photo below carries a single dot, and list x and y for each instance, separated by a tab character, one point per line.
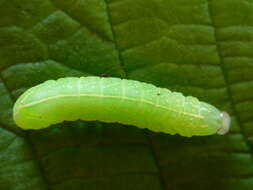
117	100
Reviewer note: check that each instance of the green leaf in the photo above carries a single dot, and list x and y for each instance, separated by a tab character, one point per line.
199	47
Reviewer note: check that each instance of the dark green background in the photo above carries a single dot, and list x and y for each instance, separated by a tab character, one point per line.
202	48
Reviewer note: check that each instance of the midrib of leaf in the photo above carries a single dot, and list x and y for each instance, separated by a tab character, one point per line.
228	89
121	62
225	75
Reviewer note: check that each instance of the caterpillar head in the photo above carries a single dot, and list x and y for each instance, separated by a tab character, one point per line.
226	120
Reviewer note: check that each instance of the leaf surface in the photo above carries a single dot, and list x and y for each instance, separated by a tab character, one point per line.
202	48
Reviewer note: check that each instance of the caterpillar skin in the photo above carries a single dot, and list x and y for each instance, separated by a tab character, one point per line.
117	100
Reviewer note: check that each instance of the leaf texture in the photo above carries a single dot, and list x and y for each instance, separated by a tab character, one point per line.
202	48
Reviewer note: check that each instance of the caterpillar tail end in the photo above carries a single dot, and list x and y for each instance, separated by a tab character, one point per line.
226	120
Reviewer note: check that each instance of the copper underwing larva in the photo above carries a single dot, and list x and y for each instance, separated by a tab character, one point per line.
117	100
